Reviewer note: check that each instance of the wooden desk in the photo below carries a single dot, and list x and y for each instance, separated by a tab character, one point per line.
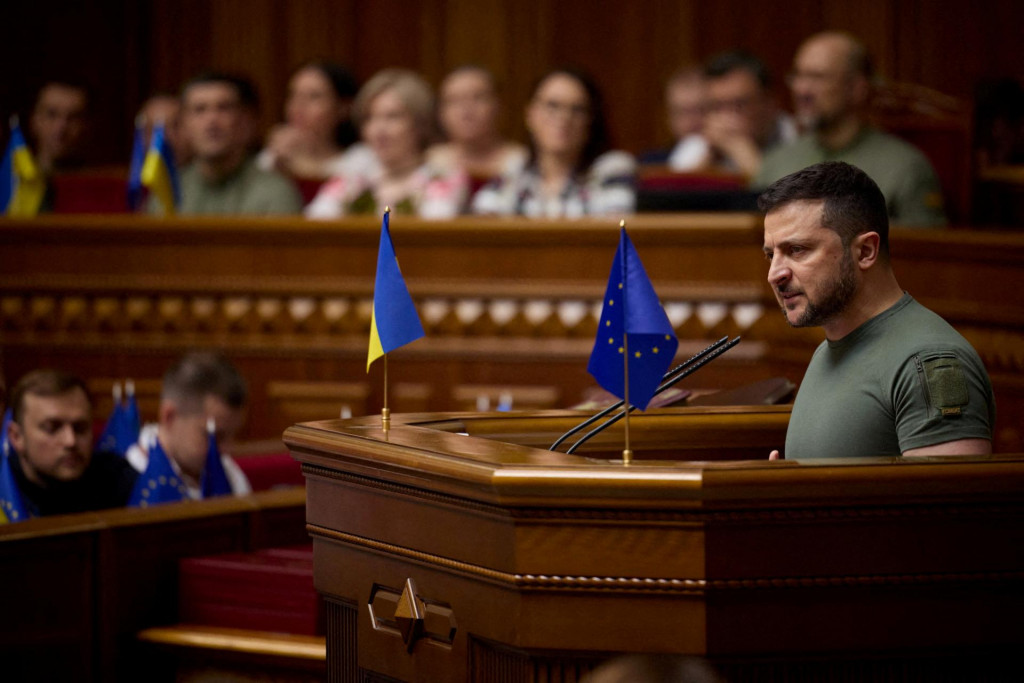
78	588
527	565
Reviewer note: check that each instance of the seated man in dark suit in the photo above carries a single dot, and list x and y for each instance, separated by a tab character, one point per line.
50	468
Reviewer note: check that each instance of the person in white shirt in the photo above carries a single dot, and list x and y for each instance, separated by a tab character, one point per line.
200	386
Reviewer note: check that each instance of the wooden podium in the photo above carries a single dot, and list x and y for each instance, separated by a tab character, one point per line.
454	547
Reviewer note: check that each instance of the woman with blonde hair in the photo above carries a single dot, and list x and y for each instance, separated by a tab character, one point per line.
394	112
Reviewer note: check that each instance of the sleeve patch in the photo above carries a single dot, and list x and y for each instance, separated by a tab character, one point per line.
946	384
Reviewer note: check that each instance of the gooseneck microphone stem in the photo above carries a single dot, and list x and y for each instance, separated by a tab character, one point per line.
692	368
668	380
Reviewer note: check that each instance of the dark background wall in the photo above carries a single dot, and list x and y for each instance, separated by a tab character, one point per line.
128	49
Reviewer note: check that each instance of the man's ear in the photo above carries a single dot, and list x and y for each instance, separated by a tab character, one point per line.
167	413
865	249
16	437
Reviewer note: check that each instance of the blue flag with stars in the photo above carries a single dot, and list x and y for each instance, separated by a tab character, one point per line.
215	478
632	317
123	425
159	483
12	508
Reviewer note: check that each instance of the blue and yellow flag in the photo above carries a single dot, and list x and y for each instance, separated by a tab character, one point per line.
215	478
12	508
632	316
394	321
159	483
22	185
136	190
159	173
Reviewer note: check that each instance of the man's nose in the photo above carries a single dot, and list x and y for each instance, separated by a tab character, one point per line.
778	272
67	435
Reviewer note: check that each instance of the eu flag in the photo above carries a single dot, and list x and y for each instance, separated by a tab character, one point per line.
22	185
123	425
159	483
631	311
136	190
159	173
394	321
215	479
12	508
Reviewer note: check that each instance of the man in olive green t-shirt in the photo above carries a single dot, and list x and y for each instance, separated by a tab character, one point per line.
218	117
831	85
891	377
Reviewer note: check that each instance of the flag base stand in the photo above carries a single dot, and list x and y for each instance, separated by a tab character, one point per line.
385	419
627	456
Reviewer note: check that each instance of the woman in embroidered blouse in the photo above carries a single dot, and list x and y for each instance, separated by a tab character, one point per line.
394	112
570	173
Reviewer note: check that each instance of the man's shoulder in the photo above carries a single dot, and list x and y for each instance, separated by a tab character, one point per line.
786	158
275	191
893	150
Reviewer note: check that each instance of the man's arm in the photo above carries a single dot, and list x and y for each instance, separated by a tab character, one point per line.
958	447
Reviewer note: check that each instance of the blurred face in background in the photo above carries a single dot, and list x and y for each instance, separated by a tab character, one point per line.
54	436
216	125
313	106
468	107
825	90
184	430
686	100
390	131
166	110
738	96
559	115
58	123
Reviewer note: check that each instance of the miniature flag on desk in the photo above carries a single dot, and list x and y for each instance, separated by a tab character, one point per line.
215	478
394	321
159	173
12	508
632	310
136	190
123	425
159	483
22	185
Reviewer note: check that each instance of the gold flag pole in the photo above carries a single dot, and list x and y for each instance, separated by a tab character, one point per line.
385	412
627	452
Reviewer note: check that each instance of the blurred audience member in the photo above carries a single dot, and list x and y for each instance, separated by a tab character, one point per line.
315	141
199	387
743	119
686	107
58	124
52	466
166	109
218	121
469	111
831	85
999	123
395	115
654	669
570	171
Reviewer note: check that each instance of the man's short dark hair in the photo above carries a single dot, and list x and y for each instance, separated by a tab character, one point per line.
853	204
199	374
43	383
247	94
726	62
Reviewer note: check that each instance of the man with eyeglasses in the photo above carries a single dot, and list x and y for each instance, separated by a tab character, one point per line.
743	120
831	87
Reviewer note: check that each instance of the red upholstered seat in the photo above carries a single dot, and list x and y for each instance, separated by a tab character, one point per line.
265	590
91	192
270	470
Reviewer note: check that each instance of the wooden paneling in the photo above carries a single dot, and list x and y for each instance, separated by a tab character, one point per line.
507	304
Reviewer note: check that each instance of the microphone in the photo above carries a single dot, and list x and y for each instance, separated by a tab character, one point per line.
670	378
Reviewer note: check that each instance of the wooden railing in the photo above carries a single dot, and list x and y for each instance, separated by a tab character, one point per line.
510	305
